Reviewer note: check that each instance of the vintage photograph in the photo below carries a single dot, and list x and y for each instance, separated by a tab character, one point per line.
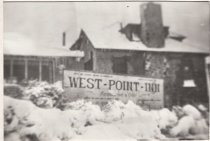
106	70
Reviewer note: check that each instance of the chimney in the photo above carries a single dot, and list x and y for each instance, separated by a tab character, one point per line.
152	31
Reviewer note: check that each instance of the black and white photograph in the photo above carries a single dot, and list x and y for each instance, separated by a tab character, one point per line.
106	70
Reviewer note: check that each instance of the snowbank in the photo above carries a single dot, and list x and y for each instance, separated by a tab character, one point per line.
103	131
143	127
91	112
113	111
46	124
191	124
192	111
83	120
165	118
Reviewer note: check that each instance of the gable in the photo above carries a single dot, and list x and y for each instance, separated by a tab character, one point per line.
83	44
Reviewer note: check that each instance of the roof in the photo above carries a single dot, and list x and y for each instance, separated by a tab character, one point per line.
110	38
16	44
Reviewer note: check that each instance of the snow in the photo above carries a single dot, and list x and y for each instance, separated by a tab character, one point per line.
188	127
101	37
17	44
143	127
46	124
89	112
22	108
113	111
49	124
165	118
183	127
207	59
202	107
13	137
103	132
192	111
191	123
115	121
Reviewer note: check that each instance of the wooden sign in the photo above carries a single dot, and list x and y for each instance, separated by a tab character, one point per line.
102	87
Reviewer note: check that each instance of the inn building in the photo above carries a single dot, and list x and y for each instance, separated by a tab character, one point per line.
147	49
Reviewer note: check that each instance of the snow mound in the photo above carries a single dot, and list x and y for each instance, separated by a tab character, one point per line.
22	108
165	118
90	111
202	107
48	124
133	110
12	137
27	119
113	111
183	127
192	111
132	120
143	127
84	120
191	124
103	131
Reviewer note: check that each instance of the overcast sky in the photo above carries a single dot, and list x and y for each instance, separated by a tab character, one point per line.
44	22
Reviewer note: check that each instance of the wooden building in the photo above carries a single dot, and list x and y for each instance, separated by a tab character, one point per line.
24	61
147	49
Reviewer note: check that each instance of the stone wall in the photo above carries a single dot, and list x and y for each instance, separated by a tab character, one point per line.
168	66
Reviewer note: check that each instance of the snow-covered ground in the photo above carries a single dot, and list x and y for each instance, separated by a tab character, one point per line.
25	121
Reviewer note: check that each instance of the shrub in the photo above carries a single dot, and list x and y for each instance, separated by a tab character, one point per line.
44	94
13	90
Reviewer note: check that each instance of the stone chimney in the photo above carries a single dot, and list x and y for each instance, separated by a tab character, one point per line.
152	30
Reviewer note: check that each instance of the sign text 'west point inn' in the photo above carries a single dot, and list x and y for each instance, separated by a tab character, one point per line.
141	90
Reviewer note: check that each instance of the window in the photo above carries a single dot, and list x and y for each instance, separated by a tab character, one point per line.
120	65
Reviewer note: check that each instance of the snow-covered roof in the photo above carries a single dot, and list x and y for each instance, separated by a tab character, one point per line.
16	44
110	38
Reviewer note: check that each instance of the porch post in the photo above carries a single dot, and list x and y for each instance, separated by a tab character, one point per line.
11	68
26	69
40	70
50	65
53	70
